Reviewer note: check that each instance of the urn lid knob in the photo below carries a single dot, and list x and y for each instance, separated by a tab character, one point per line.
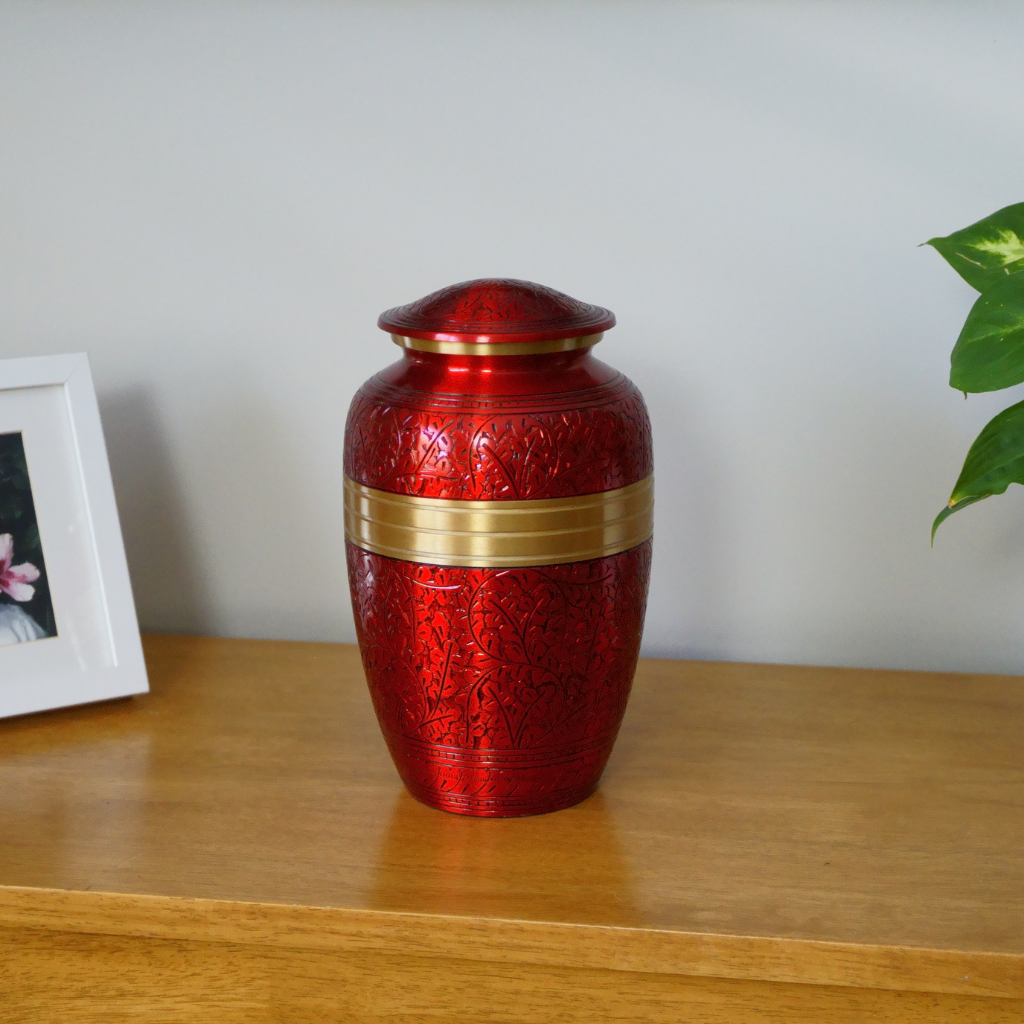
492	311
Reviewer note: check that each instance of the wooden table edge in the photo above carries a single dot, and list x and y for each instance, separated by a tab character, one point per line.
556	944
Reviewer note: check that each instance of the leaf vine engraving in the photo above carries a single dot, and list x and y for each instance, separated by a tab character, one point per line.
498	455
512	659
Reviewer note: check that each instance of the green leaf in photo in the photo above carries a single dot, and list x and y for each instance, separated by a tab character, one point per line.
989	354
994	461
987	251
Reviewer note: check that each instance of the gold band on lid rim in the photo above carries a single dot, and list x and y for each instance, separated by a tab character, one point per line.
499	534
501	348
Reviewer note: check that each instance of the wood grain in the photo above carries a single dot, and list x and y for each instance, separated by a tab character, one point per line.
814	832
87	979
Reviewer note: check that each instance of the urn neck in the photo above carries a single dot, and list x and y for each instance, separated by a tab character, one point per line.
483	347
539	374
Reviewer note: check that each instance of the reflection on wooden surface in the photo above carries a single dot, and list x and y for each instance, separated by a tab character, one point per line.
90	811
251	771
852	806
841	804
570	863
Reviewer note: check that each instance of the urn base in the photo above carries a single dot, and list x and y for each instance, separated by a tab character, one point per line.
499	783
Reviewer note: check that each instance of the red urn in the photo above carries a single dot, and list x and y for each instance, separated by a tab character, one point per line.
498	520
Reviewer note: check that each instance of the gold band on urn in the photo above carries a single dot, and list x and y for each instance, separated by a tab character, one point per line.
504	348
499	534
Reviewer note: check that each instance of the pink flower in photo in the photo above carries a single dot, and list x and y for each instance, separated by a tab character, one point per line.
15	579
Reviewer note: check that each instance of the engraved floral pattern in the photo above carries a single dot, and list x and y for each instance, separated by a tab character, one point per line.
498	454
535	661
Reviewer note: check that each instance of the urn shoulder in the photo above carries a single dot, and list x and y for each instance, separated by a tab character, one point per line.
484	425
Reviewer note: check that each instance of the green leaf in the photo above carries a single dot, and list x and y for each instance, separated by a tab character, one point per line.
987	251
950	509
989	354
994	461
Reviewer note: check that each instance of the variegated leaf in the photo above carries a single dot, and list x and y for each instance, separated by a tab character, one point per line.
987	251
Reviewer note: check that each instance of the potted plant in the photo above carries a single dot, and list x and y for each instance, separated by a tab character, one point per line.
989	354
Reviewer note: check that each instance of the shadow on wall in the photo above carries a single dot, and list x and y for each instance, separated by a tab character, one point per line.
689	601
163	559
269	500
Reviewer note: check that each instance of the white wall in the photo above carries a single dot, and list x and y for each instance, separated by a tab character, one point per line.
216	200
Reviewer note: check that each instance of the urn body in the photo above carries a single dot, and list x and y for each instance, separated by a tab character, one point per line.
498	533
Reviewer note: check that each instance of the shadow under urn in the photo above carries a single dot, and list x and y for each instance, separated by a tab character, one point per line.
498	521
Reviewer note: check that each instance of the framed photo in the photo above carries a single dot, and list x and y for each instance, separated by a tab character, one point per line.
68	631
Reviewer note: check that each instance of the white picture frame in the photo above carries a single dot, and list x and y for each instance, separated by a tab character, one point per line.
96	652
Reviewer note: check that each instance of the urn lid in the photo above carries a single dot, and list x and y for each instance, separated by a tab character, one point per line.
494	311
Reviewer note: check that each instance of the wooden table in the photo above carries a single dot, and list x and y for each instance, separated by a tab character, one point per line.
769	844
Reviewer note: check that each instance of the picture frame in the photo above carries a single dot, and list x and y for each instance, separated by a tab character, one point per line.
68	627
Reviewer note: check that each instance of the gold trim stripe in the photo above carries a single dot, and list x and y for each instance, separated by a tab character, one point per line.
500	348
545	531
